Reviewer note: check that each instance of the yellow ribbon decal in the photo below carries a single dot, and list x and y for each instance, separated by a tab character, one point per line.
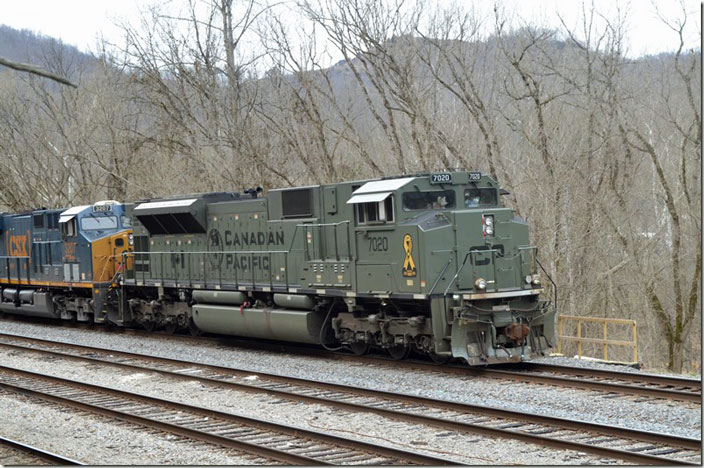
409	266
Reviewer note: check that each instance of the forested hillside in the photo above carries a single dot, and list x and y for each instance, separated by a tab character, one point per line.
601	153
27	47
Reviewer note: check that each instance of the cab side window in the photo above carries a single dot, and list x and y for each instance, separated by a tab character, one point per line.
376	212
479	197
68	229
435	200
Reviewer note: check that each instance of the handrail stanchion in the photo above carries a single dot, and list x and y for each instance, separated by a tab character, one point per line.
234	262
337	253
251	268
190	279
493	264
306	243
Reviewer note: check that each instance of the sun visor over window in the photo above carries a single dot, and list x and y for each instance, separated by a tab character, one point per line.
377	190
368	197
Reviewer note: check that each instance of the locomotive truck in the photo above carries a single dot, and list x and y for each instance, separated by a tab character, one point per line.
431	263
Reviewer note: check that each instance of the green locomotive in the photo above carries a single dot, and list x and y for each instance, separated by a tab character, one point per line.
430	262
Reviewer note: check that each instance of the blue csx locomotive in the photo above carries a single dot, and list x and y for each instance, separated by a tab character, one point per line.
431	263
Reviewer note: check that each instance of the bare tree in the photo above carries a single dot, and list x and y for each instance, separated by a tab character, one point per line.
460	60
36	71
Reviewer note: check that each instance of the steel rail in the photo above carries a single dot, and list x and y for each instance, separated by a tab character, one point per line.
531	377
487	372
654	379
581	426
50	457
404	456
609	387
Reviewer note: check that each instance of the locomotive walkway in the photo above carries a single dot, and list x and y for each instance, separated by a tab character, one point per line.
607	441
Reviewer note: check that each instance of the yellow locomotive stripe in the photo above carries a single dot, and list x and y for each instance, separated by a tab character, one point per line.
46	283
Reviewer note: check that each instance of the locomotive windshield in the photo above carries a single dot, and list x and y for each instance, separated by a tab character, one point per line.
435	200
478	197
98	223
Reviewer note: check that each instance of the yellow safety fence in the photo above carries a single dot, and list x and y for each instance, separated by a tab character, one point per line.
604	341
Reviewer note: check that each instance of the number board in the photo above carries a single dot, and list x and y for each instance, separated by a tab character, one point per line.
99	208
475	176
441	178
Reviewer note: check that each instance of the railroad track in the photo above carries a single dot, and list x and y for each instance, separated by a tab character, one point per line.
601	440
19	453
608	383
272	442
636	383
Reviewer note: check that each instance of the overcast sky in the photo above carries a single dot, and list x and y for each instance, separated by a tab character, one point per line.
81	22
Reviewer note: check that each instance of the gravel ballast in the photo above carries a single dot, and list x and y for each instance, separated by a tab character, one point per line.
97	440
663	416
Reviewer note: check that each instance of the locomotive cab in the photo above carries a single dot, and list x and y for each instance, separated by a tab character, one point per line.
94	240
447	239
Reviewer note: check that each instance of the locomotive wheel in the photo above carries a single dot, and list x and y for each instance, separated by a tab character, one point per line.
170	328
439	358
359	348
149	326
399	352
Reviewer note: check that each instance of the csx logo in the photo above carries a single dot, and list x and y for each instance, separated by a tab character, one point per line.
18	246
70	251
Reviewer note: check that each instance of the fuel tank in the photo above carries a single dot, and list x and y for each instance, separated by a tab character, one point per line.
299	326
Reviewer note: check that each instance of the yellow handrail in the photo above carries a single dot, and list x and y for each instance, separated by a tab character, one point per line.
561	337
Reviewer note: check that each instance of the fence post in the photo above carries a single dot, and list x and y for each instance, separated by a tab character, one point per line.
579	339
635	341
606	346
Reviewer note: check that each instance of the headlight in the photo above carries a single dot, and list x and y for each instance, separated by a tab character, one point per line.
535	280
488	225
130	239
529	279
480	284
